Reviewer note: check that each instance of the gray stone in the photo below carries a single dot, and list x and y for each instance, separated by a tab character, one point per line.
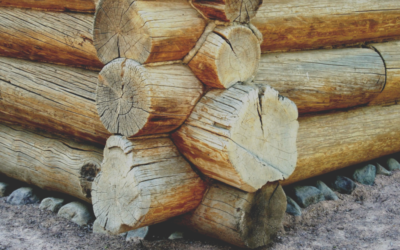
137	235
4	189
393	164
292	207
307	195
326	191
343	185
381	170
52	204
176	236
23	196
365	175
77	212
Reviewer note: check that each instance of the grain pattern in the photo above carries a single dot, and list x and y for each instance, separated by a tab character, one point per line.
84	6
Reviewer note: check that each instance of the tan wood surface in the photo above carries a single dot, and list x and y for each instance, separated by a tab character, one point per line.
85	6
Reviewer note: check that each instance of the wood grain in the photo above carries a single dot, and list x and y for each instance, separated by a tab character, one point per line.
84	6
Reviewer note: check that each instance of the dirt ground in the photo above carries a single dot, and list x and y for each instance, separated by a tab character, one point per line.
367	219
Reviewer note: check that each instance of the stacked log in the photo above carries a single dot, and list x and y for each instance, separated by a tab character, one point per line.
84	6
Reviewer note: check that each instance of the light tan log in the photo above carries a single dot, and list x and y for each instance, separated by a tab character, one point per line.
243	136
137	100
247	220
303	24
49	162
324	79
228	10
85	6
143	182
327	142
54	37
229	54
146	31
58	99
390	53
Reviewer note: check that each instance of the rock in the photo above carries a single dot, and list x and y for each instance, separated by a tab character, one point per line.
365	175
77	212
292	207
381	170
23	196
343	185
176	236
137	235
307	195
4	189
326	191
52	204
393	164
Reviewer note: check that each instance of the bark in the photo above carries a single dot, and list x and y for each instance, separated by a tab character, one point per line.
85	6
143	182
55	98
243	136
137	100
146	31
324	79
49	162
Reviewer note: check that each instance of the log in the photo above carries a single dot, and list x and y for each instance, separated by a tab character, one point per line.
247	220
143	182
56	98
146	31
229	54
301	24
54	37
84	6
137	100
390	53
324	79
244	136
334	140
228	10
49	162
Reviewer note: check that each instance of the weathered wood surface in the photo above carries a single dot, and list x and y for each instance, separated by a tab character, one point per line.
55	98
229	54
244	136
143	182
49	162
146	31
54	37
228	10
390	53
85	6
303	24
134	99
324	79
247	220
334	140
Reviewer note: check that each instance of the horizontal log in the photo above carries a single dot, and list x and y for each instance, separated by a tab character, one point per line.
49	162
247	220
324	79
54	37
334	140
143	182
85	6
303	24
55	98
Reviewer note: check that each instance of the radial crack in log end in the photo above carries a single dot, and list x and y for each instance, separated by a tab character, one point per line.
143	182
244	136
229	54
134	100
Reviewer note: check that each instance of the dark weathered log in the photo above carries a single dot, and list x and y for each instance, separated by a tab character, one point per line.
86	6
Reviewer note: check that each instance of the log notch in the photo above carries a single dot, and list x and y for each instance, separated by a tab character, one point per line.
85	6
324	79
52	163
141	100
229	54
330	141
228	10
54	37
243	219
55	98
146	31
390	53
243	136
301	24
143	182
